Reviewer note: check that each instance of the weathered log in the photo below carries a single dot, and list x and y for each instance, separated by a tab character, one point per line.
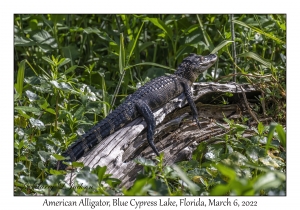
176	135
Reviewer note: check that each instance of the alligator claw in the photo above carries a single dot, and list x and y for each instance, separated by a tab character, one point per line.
198	123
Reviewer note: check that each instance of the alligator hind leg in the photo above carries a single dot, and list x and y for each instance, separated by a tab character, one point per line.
146	112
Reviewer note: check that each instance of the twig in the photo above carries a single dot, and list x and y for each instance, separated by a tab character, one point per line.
263	104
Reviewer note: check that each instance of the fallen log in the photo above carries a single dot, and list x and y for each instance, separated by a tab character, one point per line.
176	135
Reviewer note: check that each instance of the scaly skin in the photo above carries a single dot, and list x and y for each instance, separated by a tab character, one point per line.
152	95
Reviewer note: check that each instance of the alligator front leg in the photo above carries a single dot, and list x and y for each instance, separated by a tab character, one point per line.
146	112
188	95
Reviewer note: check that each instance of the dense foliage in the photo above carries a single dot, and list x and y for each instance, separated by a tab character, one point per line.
70	70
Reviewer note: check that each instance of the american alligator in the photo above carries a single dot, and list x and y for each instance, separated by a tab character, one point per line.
152	95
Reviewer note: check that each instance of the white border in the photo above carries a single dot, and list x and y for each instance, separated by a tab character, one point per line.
8	8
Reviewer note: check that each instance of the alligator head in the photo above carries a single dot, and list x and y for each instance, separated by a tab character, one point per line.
193	65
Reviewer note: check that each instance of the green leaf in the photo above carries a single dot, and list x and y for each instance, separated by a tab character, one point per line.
23	41
113	182
254	153
27	109
104	97
270	136
77	164
71	69
57	17
150	64
19	167
79	112
54	180
131	46
157	22
198	153
33	23
207	38
56	172
220	190
50	110
63	62
48	60
256	57
268	161
121	54
44	155
41	165
102	35
20	77
145	162
86	178
37	124
281	135
143	46
100	172
90	30
21	144
42	102
259	31
71	51
260	128
221	45
140	187
191	186
228	172
266	181
58	157
31	96
28	180
42	37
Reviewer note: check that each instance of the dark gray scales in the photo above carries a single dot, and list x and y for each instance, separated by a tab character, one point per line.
152	95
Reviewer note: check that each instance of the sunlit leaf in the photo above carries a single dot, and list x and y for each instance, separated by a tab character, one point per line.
20	77
31	95
42	37
259	31
268	161
228	172
256	57
44	155
260	128
58	157
266	181
281	135
206	36
132	46
192	187
37	123
63	62
48	60
87	179
221	45
23	41
145	161
100	171
19	167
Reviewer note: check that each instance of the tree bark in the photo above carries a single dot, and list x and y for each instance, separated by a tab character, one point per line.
176	134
